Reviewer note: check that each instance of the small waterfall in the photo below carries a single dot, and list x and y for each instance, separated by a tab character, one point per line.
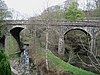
25	60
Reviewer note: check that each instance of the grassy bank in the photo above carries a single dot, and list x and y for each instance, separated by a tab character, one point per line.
57	61
56	64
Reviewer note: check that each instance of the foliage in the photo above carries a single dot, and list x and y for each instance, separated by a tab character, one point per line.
92	11
96	12
76	41
74	38
2	27
77	49
73	12
4	64
70	68
4	14
55	64
53	15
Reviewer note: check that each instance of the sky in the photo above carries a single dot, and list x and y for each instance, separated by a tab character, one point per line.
31	7
35	7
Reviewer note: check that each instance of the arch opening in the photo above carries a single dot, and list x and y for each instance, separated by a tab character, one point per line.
76	38
77	48
15	32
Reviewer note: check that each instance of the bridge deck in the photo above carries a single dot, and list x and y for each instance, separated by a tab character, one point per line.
55	23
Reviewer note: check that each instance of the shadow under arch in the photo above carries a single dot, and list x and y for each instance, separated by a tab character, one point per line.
15	32
77	41
77	47
79	33
2	42
79	30
81	50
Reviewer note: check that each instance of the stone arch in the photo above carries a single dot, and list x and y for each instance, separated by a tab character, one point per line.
15	32
87	36
81	29
17	26
82	53
78	28
78	44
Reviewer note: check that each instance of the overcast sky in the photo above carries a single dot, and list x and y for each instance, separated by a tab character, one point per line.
34	7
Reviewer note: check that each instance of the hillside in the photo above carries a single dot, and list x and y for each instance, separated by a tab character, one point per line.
56	65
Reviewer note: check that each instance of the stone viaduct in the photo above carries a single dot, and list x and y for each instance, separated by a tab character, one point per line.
60	26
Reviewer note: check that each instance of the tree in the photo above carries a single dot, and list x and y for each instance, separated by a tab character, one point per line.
97	3
77	50
73	12
4	64
4	14
92	11
67	3
53	13
96	11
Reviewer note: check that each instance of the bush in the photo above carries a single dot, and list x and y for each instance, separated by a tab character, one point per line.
4	64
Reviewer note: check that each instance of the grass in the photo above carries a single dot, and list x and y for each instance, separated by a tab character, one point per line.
67	66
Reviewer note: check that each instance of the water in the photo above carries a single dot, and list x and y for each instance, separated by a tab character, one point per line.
25	60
